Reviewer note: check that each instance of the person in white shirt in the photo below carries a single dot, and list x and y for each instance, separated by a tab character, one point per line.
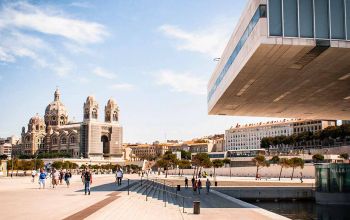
33	175
119	177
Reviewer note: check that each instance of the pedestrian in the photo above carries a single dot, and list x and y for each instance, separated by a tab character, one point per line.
82	177
33	175
186	182
42	178
301	177
199	183
67	177
207	185
87	181
55	177
61	176
195	185
119	177
193	181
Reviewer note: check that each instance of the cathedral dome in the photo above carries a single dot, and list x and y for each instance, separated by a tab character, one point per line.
56	113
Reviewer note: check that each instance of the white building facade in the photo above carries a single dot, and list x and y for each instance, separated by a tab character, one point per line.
249	136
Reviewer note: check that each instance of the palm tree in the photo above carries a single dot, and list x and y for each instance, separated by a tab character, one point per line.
284	163
260	162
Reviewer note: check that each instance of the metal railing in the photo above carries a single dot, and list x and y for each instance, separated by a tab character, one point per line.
165	187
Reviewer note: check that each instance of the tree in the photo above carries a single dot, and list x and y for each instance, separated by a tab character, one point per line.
227	161
294	163
217	163
344	156
83	166
318	158
3	157
57	165
275	159
200	160
185	155
284	163
260	162
168	160
184	164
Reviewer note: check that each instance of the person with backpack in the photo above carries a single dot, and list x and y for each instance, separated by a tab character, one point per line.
42	178
87	181
67	177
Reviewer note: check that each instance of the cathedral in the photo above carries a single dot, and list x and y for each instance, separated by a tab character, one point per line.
87	139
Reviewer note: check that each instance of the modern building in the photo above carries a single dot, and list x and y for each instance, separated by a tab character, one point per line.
249	136
7	145
286	59
88	139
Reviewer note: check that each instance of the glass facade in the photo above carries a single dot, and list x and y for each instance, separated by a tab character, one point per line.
332	178
260	12
320	19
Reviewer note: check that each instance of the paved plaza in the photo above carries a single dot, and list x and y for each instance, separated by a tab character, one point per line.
21	199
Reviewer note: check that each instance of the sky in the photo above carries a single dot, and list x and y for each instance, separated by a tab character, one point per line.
153	57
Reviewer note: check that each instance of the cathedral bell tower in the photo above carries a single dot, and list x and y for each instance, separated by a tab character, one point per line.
90	109
111	112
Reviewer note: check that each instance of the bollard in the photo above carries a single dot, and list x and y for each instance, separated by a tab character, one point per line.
196	207
178	188
141	180
216	183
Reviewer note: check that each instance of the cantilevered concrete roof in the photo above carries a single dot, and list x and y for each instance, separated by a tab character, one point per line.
292	81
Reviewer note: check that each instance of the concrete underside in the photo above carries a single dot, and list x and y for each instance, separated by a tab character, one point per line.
290	81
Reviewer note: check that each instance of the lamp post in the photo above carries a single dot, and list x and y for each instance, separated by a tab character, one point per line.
12	161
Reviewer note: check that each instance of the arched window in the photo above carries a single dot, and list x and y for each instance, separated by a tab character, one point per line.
107	116
72	140
37	127
62	120
63	140
27	138
86	113
94	113
115	116
54	141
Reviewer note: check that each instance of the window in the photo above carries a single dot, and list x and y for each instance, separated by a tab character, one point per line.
321	19
63	140
115	116
275	17
337	19
72	140
94	113
290	18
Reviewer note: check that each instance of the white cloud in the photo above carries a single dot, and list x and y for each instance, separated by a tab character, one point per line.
98	71
122	86
181	82
210	40
81	4
26	16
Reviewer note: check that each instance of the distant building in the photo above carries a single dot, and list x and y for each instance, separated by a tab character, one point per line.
89	138
249	136
7	145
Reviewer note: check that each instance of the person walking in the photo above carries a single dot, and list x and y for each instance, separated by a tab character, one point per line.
67	177
33	175
61	176
42	178
193	181
82	177
195	185
119	177
199	183
55	177
207	185
87	181
301	177
186	182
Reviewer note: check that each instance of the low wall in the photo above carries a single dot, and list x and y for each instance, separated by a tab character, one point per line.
268	172
269	193
332	198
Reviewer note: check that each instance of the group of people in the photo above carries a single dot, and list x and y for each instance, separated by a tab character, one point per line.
57	177
197	185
